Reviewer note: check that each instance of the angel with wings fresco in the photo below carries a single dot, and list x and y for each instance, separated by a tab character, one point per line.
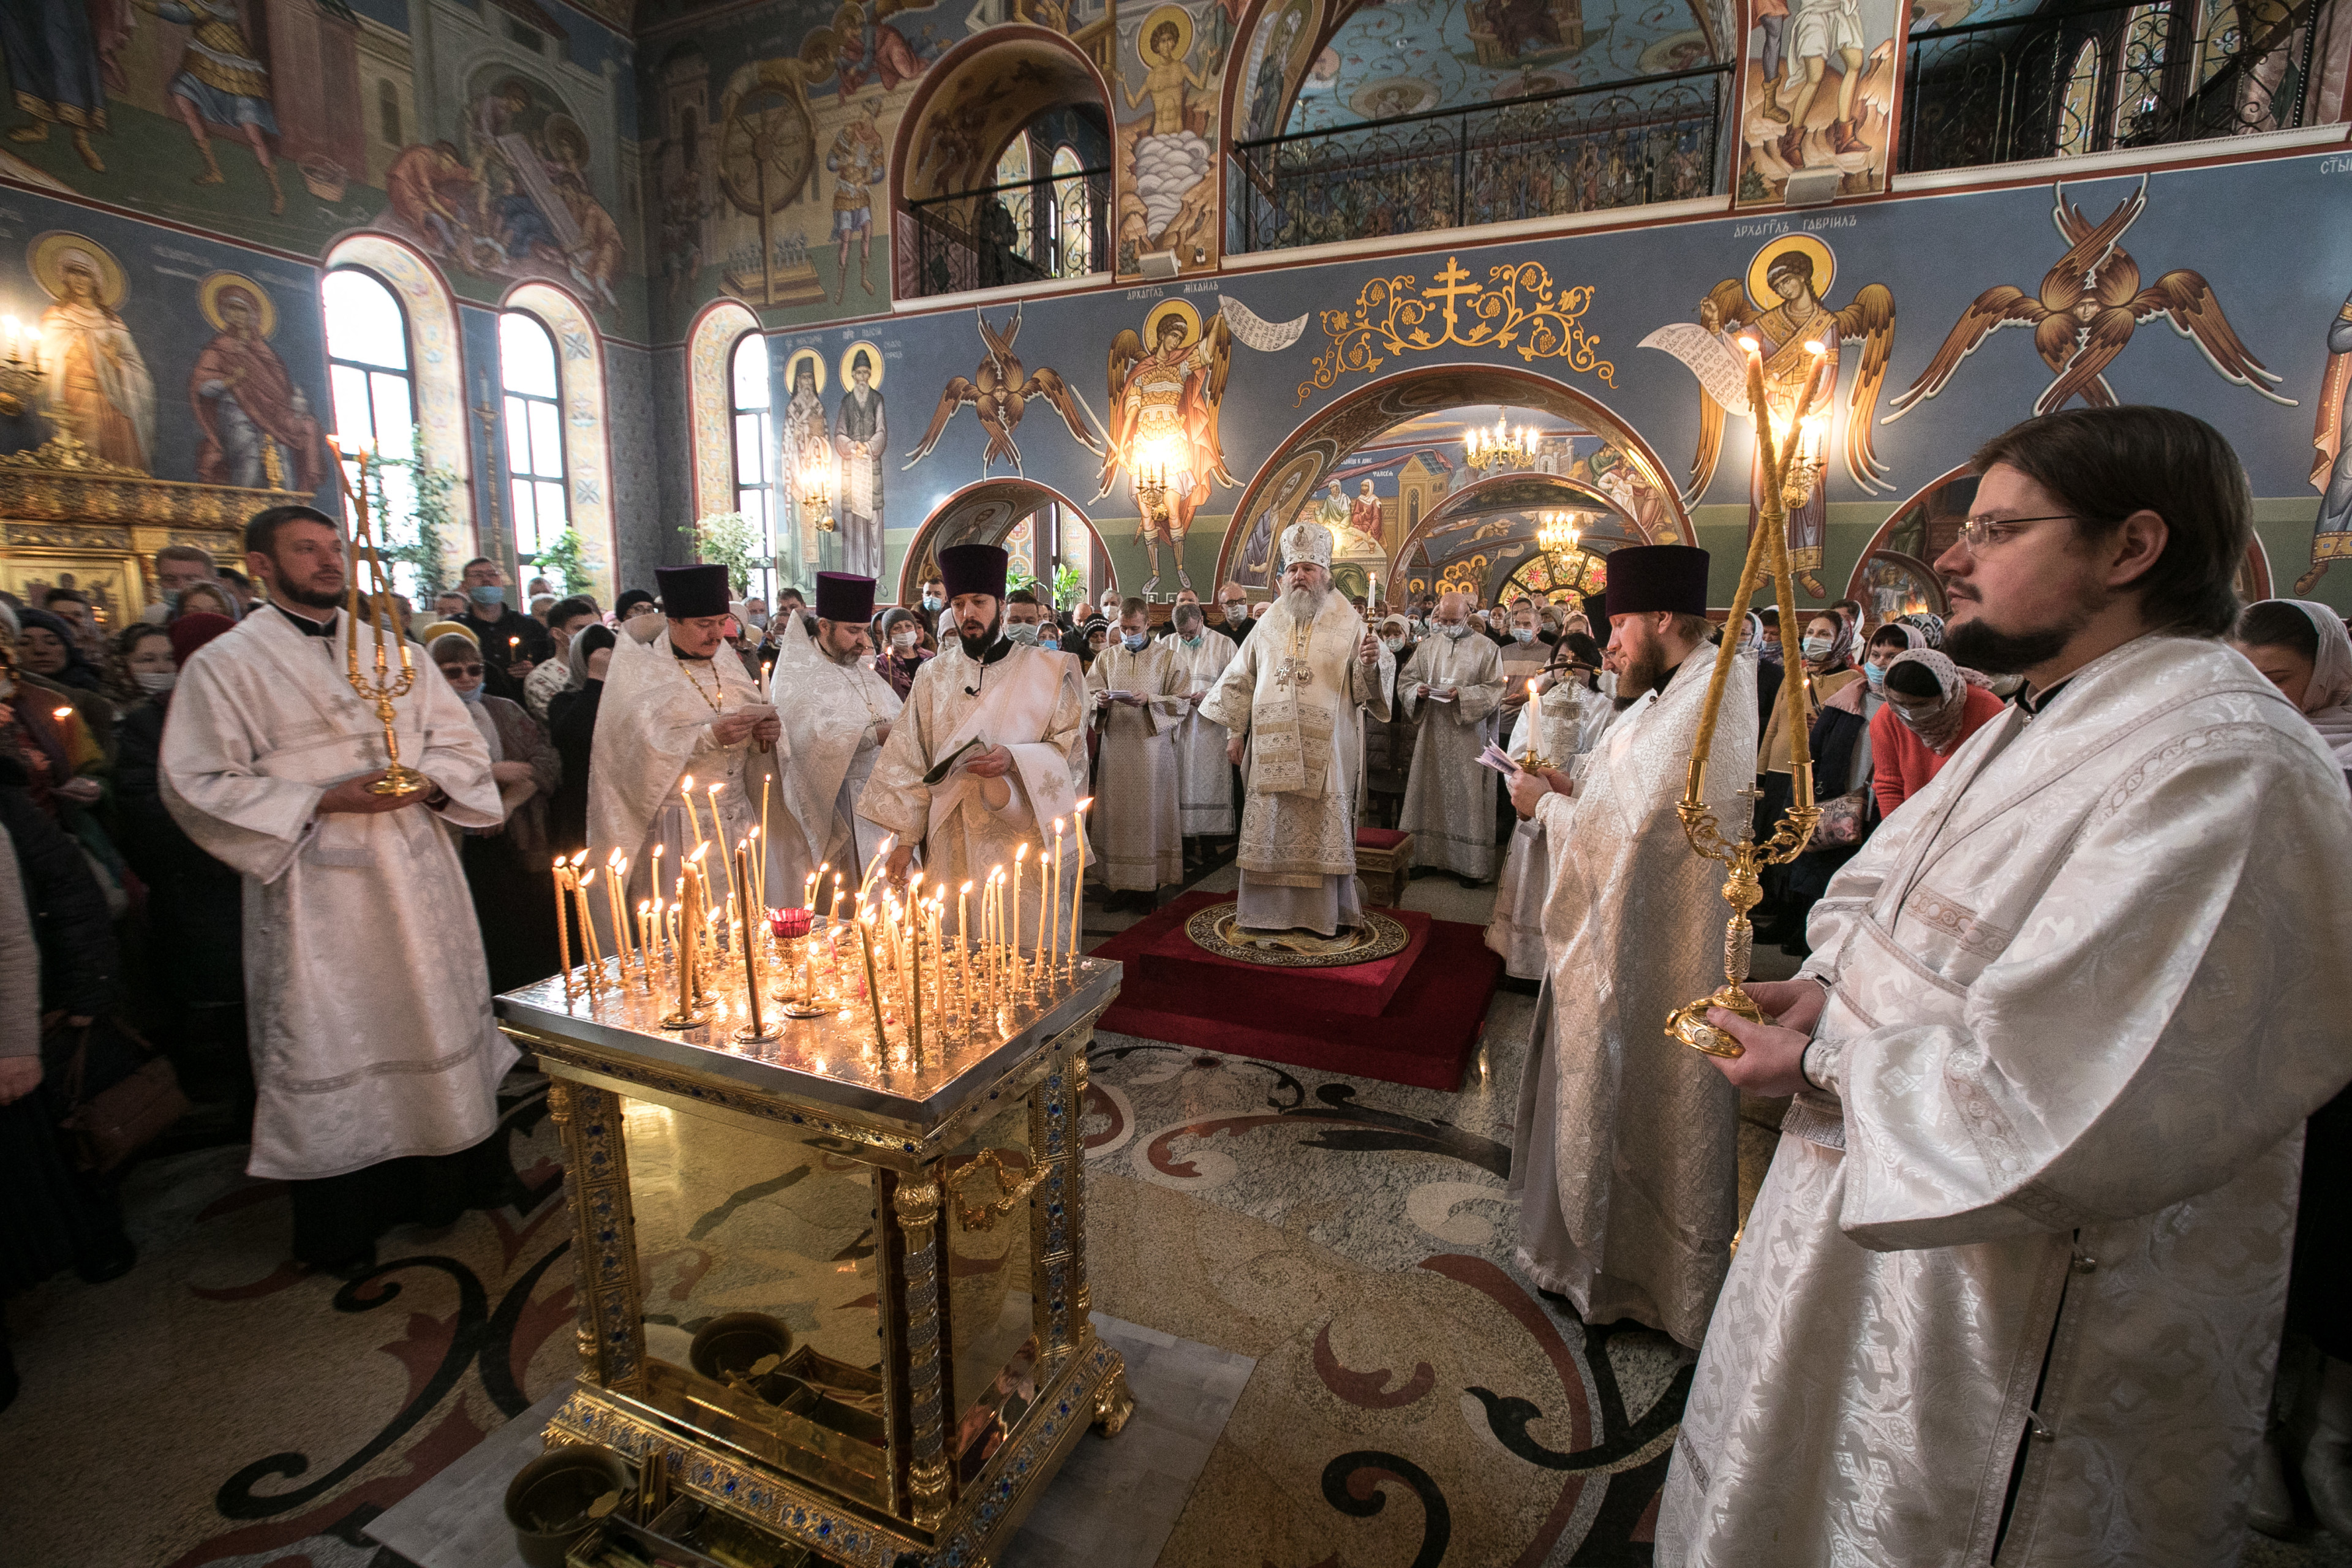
1163	423
1794	270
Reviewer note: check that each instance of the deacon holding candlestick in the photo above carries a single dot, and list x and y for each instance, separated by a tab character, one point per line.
988	751
670	711
349	897
1627	1145
841	711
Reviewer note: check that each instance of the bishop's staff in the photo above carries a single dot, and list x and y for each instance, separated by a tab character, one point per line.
381	687
1789	456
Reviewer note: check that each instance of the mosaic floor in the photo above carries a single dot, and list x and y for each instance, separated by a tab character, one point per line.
1414	1402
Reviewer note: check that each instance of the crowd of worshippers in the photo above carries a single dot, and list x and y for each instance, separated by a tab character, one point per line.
2044	1201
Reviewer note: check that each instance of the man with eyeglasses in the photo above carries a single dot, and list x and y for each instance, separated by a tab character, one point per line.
2012	1289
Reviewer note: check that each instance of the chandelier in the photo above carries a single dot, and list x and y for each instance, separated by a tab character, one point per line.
1560	533
1785	401
1500	448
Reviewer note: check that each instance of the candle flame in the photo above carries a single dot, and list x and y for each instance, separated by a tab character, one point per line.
1531	687
685	784
1751	346
1086	802
699	850
1813	346
61	713
1021	854
588	878
581	859
967	886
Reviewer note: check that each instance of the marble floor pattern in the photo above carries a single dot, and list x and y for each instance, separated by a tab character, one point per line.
1414	1402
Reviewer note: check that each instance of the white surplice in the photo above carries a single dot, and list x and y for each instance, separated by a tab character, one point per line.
654	731
368	1000
1137	834
1626	1148
1205	780
1449	799
2083	991
833	716
1031	699
1572	715
1295	692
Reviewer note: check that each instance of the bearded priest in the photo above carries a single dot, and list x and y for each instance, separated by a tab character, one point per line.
842	709
1001	725
1449	691
1289	700
1625	1152
673	710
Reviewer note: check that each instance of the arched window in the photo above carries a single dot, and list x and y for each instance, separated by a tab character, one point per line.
755	449
1012	171
1073	215
2078	112
372	384
2222	38
534	433
2139	69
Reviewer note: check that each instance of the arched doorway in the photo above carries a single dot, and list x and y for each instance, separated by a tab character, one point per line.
1484	536
1620	463
973	102
996	512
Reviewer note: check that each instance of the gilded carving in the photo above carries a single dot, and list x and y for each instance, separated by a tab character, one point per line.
1519	307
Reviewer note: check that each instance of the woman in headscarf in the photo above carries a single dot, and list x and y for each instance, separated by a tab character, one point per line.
1827	650
1932	705
510	903
571	720
41	728
1756	642
207	599
1388	743
902	650
2302	649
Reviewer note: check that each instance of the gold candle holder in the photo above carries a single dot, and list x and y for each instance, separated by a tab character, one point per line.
379	687
1744	857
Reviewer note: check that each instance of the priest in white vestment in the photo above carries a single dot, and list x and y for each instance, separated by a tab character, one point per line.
1290	701
989	751
1204	779
841	711
1139	694
369	1021
1574	712
1449	692
2012	1289
1625	1150
677	706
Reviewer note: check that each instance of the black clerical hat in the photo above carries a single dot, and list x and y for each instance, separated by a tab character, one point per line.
1644	578
973	569
843	597
687	592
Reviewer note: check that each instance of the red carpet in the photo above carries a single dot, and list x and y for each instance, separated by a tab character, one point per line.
1410	1019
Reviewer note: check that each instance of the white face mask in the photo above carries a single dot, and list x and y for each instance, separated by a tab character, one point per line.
1394	644
1237	612
1022	632
1816	647
1523	634
1456	632
155	679
903	639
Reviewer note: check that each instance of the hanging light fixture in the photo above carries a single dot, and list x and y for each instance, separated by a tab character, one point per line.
1501	449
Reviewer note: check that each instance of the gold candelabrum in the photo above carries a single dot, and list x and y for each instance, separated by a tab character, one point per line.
1501	449
21	375
378	685
815	499
1779	433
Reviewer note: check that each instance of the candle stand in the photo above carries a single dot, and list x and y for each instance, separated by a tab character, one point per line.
832	1283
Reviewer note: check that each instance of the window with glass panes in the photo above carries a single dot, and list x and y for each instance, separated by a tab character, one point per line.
534	429
374	395
755	454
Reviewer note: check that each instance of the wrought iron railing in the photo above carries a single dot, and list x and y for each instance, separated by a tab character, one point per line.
1055	226
2100	75
1623	144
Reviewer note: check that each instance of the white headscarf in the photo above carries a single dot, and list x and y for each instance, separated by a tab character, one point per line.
2327	699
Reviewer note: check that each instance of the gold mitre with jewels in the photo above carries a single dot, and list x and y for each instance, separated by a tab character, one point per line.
1305	540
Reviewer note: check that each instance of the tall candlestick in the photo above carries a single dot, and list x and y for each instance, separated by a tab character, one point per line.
915	986
754	1031
1020	859
1077	895
874	868
873	988
963	943
595	956
562	933
1052	943
614	907
717	832
684	1017
760	839
645	947
686	791
808	892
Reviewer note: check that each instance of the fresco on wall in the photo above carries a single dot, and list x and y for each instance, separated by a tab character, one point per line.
1778	303
1166	155
861	441
1820	80
2083	319
998	393
1279	51
99	389
2331	469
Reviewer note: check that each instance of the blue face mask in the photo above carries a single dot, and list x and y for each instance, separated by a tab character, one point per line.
1523	634
1193	641
1135	644
477	694
486	595
1048	640
933	603
1877	672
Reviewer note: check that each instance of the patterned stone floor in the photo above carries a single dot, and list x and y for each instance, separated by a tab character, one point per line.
1414	1403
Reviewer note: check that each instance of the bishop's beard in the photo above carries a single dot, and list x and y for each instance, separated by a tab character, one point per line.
1306	602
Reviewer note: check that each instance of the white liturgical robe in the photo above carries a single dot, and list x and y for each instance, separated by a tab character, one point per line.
1136	832
1626	1144
834	718
2080	996
1449	799
1204	779
368	999
1573	715
1030	700
1295	692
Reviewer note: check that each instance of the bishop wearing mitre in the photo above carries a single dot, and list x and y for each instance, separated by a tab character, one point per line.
842	711
679	715
987	752
1625	1151
1290	701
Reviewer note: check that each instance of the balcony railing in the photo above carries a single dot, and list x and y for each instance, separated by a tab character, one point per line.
1055	225
2078	78
1620	145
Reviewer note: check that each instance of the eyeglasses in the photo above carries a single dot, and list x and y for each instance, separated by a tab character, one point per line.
469	669
1983	534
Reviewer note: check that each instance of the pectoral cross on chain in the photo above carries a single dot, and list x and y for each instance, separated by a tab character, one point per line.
1294	671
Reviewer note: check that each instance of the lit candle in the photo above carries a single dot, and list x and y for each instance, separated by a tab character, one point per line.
756	1031
873	990
808	892
712	794
1051	938
686	790
596	957
963	942
645	947
833	907
684	947
614	872
915	985
562	931
1535	720
761	837
1020	858
874	868
939	969
1077	902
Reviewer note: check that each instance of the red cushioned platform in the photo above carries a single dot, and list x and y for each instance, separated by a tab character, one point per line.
1421	1035
1362	989
1379	838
